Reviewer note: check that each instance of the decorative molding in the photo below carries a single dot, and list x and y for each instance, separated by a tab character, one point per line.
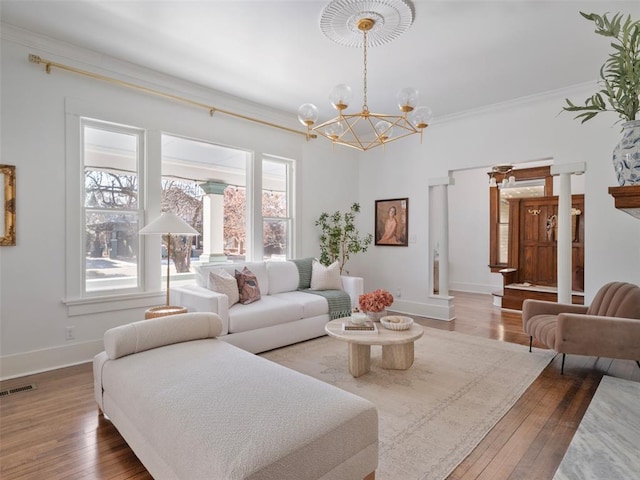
577	168
438	307
37	361
434	182
516	102
627	199
126	71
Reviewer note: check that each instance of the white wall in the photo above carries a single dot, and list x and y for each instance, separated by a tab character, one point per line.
32	274
33	316
469	233
528	130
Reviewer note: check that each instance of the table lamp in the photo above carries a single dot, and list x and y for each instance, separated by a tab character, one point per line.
167	224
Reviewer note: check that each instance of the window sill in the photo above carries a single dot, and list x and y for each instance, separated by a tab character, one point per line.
111	303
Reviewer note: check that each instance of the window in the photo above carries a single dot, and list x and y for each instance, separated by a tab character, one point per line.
111	160
276	209
118	176
206	185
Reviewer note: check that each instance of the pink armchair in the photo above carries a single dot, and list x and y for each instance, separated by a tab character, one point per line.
609	327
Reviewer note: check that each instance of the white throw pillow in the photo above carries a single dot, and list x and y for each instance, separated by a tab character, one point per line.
222	281
325	278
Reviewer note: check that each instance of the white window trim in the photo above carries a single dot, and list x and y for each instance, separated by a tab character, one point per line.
151	170
149	291
290	218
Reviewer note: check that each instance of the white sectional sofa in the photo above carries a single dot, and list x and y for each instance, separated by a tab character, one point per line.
284	315
193	407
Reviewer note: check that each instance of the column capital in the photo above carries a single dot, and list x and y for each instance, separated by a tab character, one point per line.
213	187
577	168
444	181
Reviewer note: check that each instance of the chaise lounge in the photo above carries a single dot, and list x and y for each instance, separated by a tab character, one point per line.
193	407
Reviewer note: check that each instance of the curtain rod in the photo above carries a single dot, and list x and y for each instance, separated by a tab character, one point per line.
48	64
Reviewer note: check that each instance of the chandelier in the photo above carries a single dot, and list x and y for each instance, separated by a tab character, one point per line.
366	22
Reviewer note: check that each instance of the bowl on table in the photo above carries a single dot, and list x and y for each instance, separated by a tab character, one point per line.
396	322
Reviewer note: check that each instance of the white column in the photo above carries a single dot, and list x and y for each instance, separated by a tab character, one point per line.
441	226
213	222
564	228
443	240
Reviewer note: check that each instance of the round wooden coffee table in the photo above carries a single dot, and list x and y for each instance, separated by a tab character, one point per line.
397	346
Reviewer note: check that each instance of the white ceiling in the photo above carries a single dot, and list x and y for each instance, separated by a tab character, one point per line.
461	55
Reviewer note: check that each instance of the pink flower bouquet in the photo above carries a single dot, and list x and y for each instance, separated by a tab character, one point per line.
375	301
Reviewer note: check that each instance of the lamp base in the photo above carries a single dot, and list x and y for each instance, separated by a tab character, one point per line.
163	311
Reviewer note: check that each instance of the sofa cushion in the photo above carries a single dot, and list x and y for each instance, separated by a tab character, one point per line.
222	281
325	278
616	299
268	311
543	327
283	277
312	305
259	269
248	286
158	332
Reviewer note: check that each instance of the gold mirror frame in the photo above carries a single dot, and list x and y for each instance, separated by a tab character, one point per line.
8	185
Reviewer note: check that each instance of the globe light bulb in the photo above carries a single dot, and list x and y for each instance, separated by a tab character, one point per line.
407	99
334	130
384	130
421	117
340	96
308	114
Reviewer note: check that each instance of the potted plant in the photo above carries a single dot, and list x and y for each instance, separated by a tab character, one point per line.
620	82
339	238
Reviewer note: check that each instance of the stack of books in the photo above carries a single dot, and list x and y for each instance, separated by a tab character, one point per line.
367	327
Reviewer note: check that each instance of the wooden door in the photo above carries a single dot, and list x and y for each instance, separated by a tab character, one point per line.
533	241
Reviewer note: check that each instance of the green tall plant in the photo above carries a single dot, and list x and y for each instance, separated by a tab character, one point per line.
339	237
620	74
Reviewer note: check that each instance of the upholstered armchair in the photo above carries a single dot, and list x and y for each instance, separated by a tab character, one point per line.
609	327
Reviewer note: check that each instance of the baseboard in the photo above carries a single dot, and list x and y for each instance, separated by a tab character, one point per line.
438	307
37	361
474	287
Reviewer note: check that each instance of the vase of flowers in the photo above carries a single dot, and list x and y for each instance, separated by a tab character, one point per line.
375	303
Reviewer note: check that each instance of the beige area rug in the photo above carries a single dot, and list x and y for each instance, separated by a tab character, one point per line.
434	414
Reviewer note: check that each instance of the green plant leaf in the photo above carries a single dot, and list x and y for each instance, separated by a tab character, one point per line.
619	74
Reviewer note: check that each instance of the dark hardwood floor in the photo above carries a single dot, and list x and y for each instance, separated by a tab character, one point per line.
55	432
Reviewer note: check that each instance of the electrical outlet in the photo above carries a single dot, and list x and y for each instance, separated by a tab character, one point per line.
69	334
398	292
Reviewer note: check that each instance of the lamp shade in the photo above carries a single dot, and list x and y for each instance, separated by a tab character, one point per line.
168	224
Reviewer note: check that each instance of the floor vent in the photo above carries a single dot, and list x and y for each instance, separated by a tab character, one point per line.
20	389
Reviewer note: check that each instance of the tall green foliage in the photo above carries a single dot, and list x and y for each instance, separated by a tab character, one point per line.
339	238
620	74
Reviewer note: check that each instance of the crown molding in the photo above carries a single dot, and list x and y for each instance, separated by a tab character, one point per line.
85	59
563	93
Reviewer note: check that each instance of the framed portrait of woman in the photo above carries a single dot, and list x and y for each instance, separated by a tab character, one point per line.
392	222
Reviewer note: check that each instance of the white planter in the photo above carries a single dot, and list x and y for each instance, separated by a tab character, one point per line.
626	155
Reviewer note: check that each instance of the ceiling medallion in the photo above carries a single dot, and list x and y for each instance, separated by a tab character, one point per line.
339	21
366	23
